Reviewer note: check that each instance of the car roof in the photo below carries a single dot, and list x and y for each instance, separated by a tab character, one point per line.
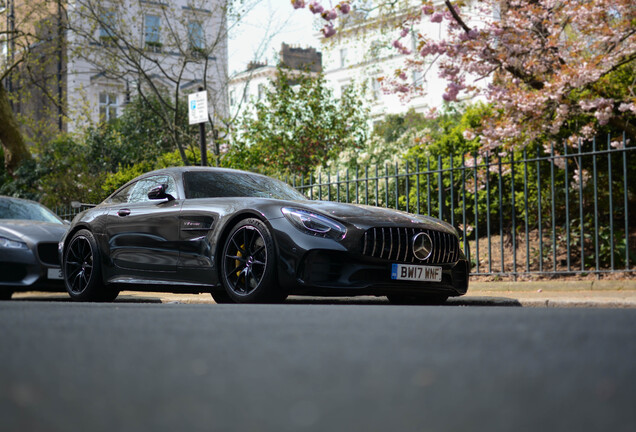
182	169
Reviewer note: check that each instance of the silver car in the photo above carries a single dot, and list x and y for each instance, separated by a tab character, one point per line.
29	237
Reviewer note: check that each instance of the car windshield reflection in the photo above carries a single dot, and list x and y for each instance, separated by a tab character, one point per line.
228	184
18	209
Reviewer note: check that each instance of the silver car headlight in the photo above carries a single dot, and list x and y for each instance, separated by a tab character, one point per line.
11	244
315	224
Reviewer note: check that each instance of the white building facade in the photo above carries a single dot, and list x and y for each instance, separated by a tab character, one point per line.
247	87
116	47
362	54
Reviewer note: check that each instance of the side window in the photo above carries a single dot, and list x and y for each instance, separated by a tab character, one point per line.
122	196
140	190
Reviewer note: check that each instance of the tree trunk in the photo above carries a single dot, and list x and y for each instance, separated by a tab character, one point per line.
15	149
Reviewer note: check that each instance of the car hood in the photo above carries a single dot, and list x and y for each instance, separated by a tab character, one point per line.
30	231
365	216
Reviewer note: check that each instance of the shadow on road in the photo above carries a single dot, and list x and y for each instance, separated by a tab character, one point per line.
159	298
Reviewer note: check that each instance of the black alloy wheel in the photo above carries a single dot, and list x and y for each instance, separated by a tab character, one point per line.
248	270
82	271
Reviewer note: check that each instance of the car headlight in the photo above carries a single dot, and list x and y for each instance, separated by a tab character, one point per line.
11	244
315	224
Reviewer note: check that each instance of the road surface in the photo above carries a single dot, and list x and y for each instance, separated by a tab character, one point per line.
315	367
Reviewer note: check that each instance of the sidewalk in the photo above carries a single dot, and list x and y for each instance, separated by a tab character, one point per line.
583	293
586	293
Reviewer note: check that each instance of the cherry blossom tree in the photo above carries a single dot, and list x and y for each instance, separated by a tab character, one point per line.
549	68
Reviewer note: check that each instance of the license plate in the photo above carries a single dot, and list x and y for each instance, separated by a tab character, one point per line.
54	273
416	273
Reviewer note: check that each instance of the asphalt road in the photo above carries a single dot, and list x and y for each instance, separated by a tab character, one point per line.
295	367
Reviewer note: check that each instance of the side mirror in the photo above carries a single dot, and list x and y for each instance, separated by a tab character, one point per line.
159	192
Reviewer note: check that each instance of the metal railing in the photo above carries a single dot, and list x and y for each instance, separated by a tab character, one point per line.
539	212
68	212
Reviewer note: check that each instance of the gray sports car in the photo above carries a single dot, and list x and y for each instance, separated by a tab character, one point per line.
247	238
29	237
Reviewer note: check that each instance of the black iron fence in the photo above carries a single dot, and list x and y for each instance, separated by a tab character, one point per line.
68	212
533	212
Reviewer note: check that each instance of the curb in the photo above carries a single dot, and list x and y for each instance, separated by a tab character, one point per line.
571	302
551	286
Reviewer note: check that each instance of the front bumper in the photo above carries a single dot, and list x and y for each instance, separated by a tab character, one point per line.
331	272
25	270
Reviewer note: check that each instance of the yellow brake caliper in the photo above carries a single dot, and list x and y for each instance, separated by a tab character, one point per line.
237	262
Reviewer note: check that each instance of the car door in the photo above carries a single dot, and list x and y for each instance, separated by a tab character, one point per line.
143	234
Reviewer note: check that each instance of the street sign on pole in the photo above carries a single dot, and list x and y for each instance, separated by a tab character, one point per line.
198	107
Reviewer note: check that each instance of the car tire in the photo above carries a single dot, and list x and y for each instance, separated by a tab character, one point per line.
415	299
248	264
221	297
83	272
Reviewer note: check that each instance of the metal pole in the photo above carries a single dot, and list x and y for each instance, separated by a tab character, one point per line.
476	214
567	207
525	199
626	202
204	150
596	241
452	191
417	183
553	208
611	203
514	214
501	233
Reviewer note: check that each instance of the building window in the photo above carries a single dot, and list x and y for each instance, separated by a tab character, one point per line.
152	36
376	49
375	88
107	24
232	97
418	78
196	38
261	91
246	93
108	107
343	57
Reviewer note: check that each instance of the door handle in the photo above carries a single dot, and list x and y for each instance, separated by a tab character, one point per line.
123	212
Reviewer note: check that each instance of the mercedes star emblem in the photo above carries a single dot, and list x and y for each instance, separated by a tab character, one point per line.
422	246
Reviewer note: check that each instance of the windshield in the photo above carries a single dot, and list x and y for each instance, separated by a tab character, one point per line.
209	184
26	210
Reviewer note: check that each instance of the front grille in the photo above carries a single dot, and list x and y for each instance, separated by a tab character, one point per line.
396	244
48	253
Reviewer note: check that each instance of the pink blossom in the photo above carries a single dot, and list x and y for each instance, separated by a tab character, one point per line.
344	7
403	76
587	131
298	4
431	114
330	15
404	32
437	17
316	7
428	9
328	30
449	97
617	144
580	177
